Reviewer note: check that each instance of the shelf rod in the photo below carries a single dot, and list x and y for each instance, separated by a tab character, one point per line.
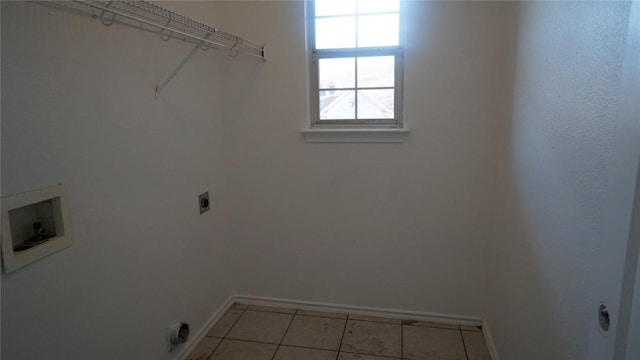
177	31
177	69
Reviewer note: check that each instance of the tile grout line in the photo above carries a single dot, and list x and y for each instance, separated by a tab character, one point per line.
293	316
378	355
322	317
457	327
464	345
295	346
228	331
377	321
258	342
337	318
344	329
402	341
214	350
234	323
433	327
272	312
339	350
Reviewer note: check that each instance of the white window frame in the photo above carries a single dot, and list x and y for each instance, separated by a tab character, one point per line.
316	54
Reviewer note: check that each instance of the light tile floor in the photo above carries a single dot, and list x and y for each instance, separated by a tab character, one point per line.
270	333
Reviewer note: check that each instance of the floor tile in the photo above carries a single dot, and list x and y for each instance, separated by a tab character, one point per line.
350	356
374	318
243	350
322	314
427	343
260	326
315	332
372	338
239	306
470	328
295	353
476	345
430	324
272	309
222	327
204	349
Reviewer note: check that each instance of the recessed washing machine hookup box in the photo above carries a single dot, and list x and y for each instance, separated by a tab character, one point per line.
35	224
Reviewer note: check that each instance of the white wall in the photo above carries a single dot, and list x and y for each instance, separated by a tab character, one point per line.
78	109
549	226
478	212
386	225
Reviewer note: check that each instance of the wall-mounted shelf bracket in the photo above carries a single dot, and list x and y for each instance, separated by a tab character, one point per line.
168	24
178	68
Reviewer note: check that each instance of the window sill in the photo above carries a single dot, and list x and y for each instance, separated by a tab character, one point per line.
355	135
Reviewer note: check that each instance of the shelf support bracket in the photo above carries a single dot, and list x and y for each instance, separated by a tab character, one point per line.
180	66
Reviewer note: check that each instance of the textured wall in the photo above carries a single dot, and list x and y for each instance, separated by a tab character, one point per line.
552	190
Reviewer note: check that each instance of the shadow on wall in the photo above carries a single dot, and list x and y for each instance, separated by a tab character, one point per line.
555	150
240	78
513	270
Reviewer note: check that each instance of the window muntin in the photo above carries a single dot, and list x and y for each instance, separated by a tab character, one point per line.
357	62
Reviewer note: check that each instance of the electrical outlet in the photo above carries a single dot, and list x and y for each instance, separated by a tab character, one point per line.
203	202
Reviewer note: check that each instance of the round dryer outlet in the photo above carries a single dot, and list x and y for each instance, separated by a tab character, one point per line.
177	334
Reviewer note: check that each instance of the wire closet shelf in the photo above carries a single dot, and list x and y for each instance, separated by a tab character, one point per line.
169	24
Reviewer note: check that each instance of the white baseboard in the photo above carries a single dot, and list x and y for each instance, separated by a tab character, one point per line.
195	340
489	340
337	308
360	310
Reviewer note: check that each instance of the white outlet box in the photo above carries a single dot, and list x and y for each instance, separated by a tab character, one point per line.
23	214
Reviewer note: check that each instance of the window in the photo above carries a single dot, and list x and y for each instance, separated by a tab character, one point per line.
356	63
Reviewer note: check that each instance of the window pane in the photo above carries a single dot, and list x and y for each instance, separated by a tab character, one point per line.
337	73
335	7
375	104
335	105
373	6
375	71
336	32
378	30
